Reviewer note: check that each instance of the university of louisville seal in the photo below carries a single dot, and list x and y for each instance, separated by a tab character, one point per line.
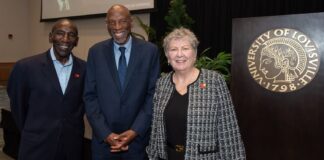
283	60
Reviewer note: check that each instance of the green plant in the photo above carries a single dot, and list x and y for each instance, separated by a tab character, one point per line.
175	18
151	34
220	63
178	17
150	31
138	35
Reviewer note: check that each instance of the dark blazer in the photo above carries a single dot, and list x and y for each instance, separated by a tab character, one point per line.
107	107
47	119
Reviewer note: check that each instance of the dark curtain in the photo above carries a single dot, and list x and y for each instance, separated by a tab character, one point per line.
213	18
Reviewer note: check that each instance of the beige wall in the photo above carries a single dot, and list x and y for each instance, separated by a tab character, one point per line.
22	19
14	19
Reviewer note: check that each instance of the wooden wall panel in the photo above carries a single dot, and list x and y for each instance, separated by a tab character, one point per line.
275	125
5	69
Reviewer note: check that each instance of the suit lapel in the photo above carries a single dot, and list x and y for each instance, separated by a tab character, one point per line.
75	74
110	58
48	70
134	58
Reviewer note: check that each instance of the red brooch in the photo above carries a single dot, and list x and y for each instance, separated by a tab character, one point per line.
202	85
76	75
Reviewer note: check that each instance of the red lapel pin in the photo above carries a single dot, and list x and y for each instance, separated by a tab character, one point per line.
76	75
202	85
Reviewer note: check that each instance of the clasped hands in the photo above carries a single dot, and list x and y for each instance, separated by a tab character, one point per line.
119	142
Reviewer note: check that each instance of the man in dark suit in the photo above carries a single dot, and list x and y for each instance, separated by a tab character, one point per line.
45	94
119	88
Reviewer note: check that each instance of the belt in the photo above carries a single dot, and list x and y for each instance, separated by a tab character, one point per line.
177	147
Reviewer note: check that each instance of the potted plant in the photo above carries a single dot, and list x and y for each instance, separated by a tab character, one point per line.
178	17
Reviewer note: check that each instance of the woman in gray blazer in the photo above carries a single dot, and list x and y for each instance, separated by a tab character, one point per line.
193	115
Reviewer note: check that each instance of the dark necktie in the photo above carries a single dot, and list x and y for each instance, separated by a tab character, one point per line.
122	67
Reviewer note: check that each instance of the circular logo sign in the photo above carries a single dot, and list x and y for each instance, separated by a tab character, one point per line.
283	60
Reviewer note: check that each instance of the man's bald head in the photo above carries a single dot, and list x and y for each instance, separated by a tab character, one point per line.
119	23
64	21
118	8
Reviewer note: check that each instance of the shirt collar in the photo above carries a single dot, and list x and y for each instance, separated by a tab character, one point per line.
69	62
127	45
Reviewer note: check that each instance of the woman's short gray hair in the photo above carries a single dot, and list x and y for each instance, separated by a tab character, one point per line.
180	33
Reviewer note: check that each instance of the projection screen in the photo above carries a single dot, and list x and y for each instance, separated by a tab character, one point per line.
54	9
